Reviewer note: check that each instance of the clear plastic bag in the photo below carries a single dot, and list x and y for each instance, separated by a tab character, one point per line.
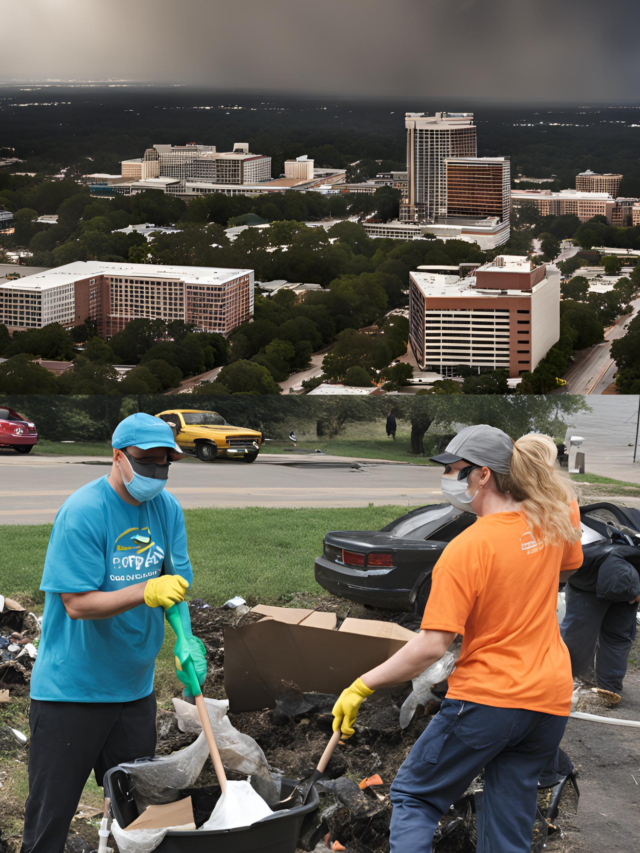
160	780
238	751
138	840
422	684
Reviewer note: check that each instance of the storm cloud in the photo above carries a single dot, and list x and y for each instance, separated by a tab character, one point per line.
506	50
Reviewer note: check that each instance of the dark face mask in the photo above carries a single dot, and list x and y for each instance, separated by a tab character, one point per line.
148	469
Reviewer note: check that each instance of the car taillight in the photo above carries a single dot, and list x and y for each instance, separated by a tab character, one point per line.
351	558
380	560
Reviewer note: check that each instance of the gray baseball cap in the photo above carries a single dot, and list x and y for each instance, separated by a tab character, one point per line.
482	445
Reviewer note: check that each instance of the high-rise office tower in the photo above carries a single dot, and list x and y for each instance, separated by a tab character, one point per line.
431	140
479	186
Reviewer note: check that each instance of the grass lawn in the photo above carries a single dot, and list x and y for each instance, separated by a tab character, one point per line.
608	486
76	448
367	448
259	553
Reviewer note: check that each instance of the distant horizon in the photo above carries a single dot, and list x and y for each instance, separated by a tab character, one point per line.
248	92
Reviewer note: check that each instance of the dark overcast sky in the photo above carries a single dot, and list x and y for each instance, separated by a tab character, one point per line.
504	49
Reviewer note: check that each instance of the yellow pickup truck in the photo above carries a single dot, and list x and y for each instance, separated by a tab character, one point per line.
208	436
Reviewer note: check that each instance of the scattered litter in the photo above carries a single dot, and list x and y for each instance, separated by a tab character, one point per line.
236	601
87	812
4	696
16	735
372	780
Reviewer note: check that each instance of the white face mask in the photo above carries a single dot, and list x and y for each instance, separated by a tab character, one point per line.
457	491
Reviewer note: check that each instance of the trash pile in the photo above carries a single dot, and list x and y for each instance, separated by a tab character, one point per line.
19	635
291	726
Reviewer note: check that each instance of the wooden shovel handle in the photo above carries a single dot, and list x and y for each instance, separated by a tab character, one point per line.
326	755
211	740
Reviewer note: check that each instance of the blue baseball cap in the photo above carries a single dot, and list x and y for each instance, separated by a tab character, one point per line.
144	431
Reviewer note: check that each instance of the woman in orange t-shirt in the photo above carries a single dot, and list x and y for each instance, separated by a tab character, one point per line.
509	696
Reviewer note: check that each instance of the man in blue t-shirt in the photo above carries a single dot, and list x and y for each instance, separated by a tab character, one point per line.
116	559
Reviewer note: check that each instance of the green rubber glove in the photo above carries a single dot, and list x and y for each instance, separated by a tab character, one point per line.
198	655
194	647
346	708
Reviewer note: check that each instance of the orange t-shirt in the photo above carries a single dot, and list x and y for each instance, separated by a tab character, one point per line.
498	586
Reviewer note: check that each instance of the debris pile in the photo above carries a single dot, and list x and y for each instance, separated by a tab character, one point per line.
355	808
19	635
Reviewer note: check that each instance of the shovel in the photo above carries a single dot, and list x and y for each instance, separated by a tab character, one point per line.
181	651
239	804
307	784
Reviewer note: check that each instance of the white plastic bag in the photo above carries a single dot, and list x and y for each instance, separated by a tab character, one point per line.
239	806
421	693
238	751
138	840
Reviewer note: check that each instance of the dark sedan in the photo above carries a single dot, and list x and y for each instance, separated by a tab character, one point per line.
391	568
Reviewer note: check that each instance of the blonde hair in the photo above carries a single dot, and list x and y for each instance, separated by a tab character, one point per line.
545	495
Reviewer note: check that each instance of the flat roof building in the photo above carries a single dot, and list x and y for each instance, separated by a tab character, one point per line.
487	233
503	315
594	182
200	163
584	205
479	187
300	169
112	294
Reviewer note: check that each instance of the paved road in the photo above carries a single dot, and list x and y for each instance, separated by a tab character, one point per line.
609	431
294	382
592	374
33	489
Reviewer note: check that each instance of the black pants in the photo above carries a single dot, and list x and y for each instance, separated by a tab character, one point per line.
68	741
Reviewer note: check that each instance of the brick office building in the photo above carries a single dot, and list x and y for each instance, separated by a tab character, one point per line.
111	295
505	314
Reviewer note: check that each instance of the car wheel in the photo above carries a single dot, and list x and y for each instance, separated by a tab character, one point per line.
23	448
206	451
421	598
250	457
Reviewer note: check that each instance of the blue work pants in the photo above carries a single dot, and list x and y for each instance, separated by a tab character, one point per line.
599	635
511	745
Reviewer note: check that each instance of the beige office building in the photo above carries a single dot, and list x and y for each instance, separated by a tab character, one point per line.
431	139
300	169
503	315
594	182
584	205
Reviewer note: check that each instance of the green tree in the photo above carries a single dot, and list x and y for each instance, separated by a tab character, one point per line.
576	289
20	375
136	338
397	377
585	321
246	377
550	246
358	377
88	377
353	349
168	375
49	342
612	265
99	351
5	338
494	382
140	380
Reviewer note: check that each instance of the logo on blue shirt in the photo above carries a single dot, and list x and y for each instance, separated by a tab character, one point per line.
136	550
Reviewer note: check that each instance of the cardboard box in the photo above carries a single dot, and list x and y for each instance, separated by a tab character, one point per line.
178	814
303	647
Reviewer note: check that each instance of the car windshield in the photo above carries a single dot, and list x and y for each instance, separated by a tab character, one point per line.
203	419
8	415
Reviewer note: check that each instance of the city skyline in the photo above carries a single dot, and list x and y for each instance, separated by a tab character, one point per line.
575	51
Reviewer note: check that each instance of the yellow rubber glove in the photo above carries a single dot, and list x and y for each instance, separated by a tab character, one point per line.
346	708
165	591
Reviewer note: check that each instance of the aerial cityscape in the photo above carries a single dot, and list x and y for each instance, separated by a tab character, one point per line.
319	426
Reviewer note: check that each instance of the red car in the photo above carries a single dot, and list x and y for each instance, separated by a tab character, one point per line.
16	432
